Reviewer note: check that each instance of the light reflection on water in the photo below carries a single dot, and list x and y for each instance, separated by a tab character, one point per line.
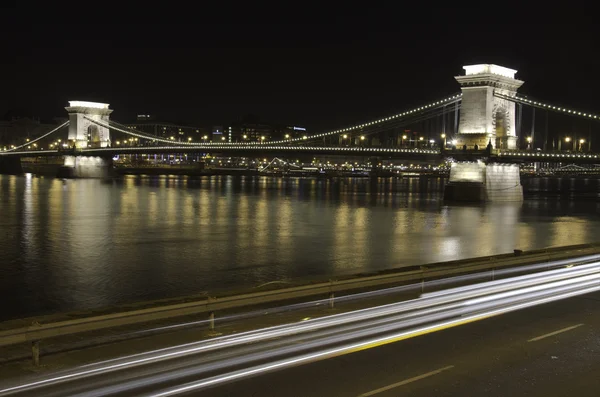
81	244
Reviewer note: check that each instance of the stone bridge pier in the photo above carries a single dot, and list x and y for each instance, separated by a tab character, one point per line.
481	182
86	167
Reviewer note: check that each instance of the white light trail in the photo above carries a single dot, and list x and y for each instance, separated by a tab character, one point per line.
321	333
351	348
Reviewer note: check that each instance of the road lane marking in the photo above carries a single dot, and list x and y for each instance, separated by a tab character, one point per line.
404	382
560	331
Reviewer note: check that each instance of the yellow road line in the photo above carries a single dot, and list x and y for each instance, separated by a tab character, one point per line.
404	382
554	333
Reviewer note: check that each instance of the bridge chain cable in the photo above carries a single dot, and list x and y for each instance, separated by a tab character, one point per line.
385	120
547	106
408	121
66	123
384	123
126	130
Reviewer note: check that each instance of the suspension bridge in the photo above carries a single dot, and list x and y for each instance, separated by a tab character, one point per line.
481	123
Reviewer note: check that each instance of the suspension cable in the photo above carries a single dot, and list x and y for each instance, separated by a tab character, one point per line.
542	105
384	122
41	137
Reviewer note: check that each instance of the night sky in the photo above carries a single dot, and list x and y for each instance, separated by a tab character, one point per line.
316	67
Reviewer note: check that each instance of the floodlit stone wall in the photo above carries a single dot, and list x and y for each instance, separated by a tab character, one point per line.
503	182
479	182
87	167
467	172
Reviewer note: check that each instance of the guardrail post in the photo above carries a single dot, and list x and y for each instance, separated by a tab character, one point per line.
331	300
211	321
35	353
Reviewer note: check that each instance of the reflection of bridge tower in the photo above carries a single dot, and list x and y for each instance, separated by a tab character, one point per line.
84	132
483	116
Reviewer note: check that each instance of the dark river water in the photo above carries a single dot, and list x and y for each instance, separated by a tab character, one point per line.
81	244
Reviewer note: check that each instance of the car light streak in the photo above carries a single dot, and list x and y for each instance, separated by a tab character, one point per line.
357	330
352	348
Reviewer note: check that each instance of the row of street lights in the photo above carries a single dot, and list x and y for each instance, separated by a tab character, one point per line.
567	140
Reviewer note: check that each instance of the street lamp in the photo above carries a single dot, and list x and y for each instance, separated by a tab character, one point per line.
262	138
287	136
245	136
444	138
403	139
189	138
581	142
529	139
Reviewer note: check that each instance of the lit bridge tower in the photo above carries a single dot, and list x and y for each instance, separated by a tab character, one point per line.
484	117
83	132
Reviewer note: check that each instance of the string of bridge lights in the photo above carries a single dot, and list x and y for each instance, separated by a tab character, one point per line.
238	146
442	102
37	139
548	106
137	134
446	101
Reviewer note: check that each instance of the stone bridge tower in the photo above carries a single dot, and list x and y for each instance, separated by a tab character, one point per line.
84	132
483	116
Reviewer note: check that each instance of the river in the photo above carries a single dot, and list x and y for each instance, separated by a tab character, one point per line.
84	244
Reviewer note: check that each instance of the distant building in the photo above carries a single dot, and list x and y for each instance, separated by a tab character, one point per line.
218	134
147	123
250	129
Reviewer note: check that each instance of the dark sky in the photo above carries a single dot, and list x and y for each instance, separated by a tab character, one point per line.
319	67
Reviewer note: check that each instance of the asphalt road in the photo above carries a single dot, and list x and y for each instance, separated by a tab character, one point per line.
492	357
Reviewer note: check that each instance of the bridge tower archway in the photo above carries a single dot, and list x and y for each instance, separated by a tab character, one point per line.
94	136
83	132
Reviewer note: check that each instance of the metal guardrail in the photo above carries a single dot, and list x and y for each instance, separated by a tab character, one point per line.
37	332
